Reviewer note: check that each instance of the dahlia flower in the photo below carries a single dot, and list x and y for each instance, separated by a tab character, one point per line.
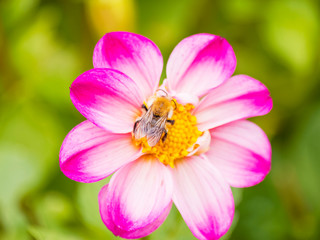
208	148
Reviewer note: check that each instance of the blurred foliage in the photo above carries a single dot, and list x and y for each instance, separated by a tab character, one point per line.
45	45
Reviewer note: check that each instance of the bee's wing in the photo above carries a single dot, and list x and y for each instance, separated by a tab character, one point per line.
154	134
143	125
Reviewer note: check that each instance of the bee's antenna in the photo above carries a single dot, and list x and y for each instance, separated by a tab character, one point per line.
163	91
174	103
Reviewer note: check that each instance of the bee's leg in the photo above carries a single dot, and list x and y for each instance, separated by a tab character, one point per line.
170	121
135	125
144	107
164	136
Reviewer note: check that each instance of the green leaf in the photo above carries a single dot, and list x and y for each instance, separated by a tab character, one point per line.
87	204
291	31
305	152
40	233
53	209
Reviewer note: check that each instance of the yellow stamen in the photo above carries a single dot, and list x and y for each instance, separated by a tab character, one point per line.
182	135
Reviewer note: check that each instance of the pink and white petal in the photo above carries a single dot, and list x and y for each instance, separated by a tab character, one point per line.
203	197
138	195
138	233
89	153
199	63
201	145
185	98
107	98
238	98
134	55
242	153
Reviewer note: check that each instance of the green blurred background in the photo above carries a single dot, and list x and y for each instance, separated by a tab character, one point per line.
45	45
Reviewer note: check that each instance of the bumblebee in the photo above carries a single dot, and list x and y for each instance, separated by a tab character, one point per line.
152	124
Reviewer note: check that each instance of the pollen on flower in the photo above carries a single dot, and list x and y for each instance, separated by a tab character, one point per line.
182	135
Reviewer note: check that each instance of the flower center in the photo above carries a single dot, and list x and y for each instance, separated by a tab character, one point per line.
180	140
